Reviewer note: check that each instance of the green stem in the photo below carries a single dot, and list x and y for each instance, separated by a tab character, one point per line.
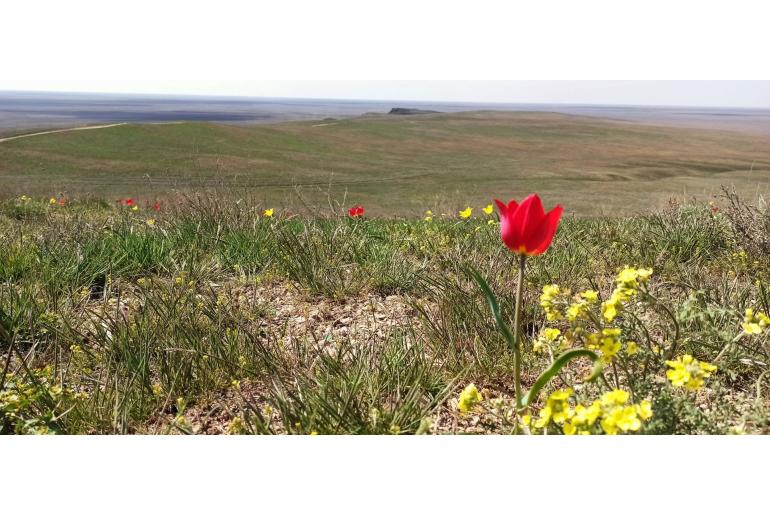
517	332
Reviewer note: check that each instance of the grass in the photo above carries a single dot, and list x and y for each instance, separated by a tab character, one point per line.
216	319
396	165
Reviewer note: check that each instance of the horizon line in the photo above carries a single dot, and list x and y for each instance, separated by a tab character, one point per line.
380	100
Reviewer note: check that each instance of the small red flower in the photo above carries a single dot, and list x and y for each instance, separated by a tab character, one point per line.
156	206
525	228
129	202
62	201
356	211
714	209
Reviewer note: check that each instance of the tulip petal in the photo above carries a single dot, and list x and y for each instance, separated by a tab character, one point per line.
526	221
507	233
543	236
502	208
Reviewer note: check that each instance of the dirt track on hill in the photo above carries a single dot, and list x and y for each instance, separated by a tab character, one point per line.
61	130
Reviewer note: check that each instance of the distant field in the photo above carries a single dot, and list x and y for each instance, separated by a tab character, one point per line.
397	165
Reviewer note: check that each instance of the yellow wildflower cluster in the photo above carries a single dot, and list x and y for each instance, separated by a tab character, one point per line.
469	398
754	323
612	412
607	342
548	299
689	372
556	409
579	309
626	286
31	403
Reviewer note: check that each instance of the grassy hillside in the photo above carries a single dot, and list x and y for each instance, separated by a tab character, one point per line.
396	165
210	318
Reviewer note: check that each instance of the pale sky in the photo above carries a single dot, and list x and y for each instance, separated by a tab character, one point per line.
678	93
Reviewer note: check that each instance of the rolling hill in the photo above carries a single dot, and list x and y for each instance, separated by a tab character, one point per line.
397	165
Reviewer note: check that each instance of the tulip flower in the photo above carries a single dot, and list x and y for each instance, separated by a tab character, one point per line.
488	209
525	228
356	211
156	206
465	213
129	202
268	212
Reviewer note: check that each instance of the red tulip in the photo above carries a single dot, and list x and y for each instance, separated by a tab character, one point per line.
156	206
129	202
525	228
356	211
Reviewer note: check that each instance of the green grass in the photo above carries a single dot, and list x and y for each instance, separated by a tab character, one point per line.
395	165
216	319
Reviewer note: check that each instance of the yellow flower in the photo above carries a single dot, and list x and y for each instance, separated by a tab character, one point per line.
551	333
546	337
587	416
150	222
689	372
615	398
550	291
52	201
469	397
428	216
556	408
268	212
466	213
621	419
590	296
488	210
134	208
627	284
610	343
644	410
632	348
754	323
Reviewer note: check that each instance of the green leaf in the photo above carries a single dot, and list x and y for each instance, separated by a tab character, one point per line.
560	362
495	307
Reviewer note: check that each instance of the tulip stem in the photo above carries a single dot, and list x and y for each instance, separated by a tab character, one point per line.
517	332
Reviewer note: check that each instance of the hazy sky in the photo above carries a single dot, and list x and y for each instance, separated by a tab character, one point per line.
681	93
